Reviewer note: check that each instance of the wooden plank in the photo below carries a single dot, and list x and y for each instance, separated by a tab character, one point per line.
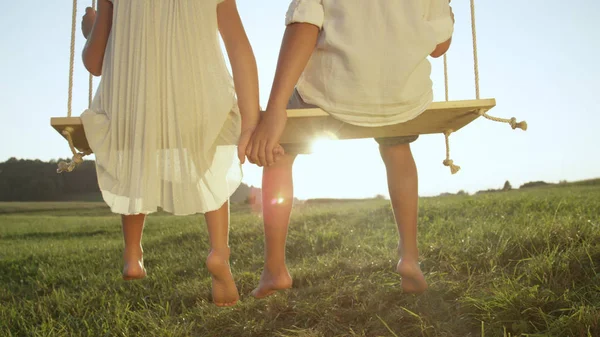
307	124
484	103
78	135
304	125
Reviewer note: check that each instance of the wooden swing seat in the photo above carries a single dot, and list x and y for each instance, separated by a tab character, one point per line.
305	125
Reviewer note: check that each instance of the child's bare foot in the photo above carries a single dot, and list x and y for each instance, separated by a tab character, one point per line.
224	291
413	281
270	282
133	268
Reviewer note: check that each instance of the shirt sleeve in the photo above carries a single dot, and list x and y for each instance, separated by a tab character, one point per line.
306	11
438	16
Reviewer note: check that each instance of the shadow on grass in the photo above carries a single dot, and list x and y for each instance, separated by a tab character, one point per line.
55	235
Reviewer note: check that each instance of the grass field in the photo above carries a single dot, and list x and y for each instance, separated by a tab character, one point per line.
519	263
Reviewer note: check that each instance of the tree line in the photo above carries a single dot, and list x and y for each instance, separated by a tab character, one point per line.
36	180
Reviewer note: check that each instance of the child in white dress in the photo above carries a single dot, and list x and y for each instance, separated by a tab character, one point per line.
165	125
364	63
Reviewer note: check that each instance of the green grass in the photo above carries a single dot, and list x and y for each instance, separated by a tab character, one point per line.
518	263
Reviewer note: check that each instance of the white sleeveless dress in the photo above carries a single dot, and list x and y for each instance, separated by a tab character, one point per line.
164	123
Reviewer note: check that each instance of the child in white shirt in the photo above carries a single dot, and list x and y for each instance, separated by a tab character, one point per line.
365	63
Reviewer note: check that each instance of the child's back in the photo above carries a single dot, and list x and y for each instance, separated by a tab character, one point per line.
166	124
165	101
370	64
365	63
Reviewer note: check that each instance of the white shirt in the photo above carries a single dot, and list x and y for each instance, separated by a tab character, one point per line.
370	65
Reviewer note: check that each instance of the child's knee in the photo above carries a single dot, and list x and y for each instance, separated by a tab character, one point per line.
396	155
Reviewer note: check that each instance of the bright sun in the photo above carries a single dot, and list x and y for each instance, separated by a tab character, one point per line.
340	169
323	145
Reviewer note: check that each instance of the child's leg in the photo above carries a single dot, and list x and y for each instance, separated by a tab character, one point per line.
403	188
133	226
224	291
277	199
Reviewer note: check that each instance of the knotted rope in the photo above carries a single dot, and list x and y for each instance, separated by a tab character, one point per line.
449	162
512	121
68	131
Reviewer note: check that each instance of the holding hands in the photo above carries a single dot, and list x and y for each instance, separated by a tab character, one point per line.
261	144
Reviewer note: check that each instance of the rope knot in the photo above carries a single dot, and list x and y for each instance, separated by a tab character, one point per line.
449	162
521	125
512	122
62	167
453	168
78	158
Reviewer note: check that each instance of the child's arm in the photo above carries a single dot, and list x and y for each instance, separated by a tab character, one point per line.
303	25
93	52
244	68
297	47
441	19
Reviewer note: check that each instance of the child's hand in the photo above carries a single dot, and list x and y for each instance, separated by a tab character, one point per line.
243	144
264	144
87	22
278	151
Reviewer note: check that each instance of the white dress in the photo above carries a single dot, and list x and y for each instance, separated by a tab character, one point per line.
164	123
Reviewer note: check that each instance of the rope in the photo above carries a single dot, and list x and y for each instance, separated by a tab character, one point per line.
446	77
449	162
475	58
72	58
67	132
90	91
77	156
512	121
91	78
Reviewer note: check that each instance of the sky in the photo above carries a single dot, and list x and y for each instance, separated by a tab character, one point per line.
537	59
